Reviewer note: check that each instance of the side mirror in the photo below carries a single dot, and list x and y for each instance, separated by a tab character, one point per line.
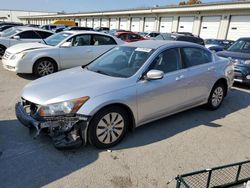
66	45
154	75
16	37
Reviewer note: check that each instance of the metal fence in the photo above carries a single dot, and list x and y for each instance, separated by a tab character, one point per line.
223	176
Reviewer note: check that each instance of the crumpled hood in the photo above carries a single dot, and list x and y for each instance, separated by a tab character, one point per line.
26	46
71	84
234	55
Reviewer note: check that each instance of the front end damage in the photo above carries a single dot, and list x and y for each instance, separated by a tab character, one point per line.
67	132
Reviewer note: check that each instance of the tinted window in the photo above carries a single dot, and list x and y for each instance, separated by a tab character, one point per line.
240	46
43	34
195	56
28	35
123	36
167	61
103	40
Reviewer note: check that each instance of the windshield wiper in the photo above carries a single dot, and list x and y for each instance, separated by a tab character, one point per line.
101	72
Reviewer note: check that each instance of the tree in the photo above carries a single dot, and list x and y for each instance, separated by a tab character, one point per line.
190	2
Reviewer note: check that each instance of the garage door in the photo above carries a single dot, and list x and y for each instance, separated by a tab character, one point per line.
89	23
96	22
239	27
104	22
135	24
149	24
113	23
166	24
124	23
83	23
210	27
186	24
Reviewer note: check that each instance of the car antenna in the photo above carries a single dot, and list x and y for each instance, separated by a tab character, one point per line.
40	36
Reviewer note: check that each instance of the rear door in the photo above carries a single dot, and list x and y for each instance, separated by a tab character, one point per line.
201	73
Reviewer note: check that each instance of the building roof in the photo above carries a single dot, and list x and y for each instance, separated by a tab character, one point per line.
228	5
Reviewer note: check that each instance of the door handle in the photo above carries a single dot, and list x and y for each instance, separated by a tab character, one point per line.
179	77
210	68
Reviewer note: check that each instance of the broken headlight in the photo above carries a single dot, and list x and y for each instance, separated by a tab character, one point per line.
62	108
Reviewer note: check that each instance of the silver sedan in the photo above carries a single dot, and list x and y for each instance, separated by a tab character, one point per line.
126	87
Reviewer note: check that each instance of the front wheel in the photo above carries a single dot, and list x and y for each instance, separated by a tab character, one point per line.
216	96
44	67
108	127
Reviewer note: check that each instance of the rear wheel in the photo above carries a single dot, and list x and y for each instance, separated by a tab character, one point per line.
44	67
108	127
216	96
2	50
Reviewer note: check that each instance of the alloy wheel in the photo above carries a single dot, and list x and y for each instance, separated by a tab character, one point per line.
110	128
45	67
217	96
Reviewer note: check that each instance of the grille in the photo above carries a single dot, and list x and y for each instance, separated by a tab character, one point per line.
224	176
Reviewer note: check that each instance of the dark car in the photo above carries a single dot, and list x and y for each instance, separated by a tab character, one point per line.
11	23
239	53
129	36
4	27
217	45
180	37
102	29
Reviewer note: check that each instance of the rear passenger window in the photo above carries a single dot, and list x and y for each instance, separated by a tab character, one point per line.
195	56
43	34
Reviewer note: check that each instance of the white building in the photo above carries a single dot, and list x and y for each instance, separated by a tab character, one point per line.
228	20
13	15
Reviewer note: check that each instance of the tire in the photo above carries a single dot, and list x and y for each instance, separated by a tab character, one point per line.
108	127
216	96
44	66
2	50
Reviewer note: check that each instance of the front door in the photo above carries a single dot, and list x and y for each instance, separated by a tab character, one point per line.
157	98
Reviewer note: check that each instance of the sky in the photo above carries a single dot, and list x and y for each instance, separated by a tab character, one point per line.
83	5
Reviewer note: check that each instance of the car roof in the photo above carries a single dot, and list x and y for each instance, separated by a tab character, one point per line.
155	44
84	32
244	38
27	28
125	32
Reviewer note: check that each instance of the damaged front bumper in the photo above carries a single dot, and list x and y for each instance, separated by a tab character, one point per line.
66	132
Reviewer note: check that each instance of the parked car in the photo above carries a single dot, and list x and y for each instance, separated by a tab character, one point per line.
76	28
102	29
60	51
4	27
128	36
52	27
149	35
32	25
21	34
11	23
239	53
128	86
114	31
217	45
180	37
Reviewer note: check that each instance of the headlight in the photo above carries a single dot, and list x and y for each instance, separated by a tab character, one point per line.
62	108
18	55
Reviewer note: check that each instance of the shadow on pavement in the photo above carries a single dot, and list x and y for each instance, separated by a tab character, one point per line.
27	76
25	162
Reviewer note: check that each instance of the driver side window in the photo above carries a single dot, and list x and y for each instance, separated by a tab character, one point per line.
80	40
167	61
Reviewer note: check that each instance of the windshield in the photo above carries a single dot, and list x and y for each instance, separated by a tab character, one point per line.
242	46
121	61
55	39
9	32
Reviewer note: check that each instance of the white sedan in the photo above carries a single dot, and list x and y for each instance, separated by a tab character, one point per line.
21	34
59	51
